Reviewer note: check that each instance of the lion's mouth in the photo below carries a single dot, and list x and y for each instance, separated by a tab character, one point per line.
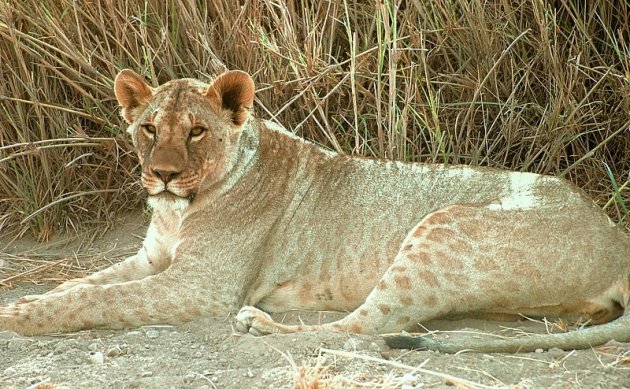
174	189
167	194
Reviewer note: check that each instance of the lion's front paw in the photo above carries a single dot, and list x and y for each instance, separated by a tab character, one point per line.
29	298
10	315
59	289
254	321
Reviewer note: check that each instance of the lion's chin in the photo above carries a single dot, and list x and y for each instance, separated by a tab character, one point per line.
167	200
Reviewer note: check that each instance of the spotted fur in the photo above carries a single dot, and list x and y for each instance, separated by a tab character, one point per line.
247	215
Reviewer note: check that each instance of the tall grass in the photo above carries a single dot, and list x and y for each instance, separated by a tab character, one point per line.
541	86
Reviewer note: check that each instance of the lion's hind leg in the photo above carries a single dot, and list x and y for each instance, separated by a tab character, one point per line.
460	260
425	281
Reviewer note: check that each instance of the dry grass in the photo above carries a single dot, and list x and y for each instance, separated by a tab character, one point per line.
541	86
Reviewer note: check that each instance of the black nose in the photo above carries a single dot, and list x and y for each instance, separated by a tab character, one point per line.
166	175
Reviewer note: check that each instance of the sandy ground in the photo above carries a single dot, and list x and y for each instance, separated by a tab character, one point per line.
207	353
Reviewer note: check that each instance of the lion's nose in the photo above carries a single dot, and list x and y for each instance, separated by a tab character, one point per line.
166	175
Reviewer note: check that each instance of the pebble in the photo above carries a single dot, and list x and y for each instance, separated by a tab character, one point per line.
133	334
374	347
190	378
117	350
8	335
539	351
351	344
97	358
65	346
407	381
152	334
18	344
556	352
9	371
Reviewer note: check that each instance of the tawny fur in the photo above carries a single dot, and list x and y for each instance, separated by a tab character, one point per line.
247	215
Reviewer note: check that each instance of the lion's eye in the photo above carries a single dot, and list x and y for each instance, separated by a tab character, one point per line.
197	131
149	129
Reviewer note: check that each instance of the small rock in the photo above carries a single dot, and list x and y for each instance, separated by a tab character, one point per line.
152	334
18	344
351	344
374	347
146	374
132	334
9	371
65	346
116	351
97	358
556	352
8	335
539	351
93	347
407	381
190	378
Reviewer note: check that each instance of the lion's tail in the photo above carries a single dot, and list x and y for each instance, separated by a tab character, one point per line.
618	330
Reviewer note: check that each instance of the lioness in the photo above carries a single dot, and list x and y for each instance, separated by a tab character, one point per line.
247	215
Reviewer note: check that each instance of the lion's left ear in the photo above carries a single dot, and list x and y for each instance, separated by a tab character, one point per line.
234	92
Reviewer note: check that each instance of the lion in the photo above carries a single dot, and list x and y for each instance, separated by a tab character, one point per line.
248	216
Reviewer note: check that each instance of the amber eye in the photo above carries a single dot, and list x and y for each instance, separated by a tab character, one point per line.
197	131
149	129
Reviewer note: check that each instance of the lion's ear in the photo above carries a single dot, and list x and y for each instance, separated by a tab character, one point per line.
133	94
234	92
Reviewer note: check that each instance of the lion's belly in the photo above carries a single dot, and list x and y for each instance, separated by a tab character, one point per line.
340	280
343	292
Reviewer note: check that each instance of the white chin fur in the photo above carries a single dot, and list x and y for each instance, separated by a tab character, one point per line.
177	204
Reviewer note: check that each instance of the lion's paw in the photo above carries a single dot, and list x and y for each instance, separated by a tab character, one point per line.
254	321
59	289
10	315
29	298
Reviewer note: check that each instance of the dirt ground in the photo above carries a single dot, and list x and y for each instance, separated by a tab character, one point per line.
207	353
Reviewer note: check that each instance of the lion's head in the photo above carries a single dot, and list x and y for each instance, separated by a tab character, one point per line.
185	132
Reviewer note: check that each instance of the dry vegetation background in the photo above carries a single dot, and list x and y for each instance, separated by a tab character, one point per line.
541	86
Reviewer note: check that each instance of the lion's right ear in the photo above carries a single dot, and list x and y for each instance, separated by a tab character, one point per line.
133	94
